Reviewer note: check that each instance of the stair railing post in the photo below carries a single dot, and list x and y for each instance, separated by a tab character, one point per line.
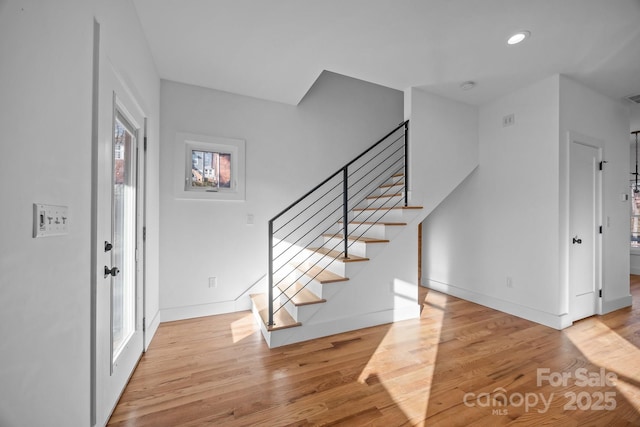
270	274
406	163
345	209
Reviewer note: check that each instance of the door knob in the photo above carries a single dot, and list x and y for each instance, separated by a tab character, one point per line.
113	271
576	240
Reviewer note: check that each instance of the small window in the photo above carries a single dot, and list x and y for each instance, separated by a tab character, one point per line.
213	167
210	171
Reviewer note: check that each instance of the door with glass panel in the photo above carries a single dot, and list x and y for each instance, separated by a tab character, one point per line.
118	239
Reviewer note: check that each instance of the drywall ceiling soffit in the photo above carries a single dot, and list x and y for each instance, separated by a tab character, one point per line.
276	49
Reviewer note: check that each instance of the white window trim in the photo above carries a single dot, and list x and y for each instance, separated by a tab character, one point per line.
185	143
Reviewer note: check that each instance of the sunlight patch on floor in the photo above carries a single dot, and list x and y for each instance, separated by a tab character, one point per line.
597	341
243	327
409	391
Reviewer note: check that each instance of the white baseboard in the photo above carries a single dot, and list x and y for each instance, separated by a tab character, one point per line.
616	304
363	320
635	270
202	310
151	329
547	319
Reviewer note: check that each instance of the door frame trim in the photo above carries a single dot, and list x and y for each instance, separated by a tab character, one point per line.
587	141
100	60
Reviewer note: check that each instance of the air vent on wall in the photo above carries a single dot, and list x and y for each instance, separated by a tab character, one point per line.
634	98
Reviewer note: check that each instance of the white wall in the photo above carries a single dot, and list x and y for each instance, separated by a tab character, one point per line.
635	117
45	284
443	145
509	219
589	113
503	220
45	87
288	151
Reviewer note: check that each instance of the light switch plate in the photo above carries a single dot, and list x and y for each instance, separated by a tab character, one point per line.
50	220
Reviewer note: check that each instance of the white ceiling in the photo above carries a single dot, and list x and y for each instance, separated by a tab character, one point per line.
275	49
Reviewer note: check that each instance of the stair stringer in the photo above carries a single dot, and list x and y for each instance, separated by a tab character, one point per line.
386	290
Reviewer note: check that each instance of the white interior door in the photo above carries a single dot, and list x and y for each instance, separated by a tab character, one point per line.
584	223
119	289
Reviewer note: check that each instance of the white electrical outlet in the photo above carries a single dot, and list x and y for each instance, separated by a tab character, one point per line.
50	220
509	282
213	282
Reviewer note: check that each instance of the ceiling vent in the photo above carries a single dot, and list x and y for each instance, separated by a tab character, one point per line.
634	98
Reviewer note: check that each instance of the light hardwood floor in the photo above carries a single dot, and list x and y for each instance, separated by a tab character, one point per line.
460	364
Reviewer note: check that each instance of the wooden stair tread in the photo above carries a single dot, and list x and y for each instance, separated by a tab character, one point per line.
319	274
300	295
281	318
337	255
390	224
359	238
388	209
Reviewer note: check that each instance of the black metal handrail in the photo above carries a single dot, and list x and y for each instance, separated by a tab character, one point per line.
333	200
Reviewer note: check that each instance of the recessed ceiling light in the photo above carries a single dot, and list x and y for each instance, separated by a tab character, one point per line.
467	85
518	37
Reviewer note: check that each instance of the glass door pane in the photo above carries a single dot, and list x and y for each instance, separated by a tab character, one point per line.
123	289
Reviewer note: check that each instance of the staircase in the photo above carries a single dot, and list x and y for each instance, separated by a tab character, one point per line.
332	265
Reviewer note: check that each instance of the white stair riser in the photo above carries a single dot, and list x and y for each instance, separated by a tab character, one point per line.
327	262
386	215
367	250
388	189
355	248
336	310
375	231
302	313
395	179
386	202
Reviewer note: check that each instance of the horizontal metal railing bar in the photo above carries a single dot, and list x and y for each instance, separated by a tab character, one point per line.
312	204
300	251
304	235
370	213
401	125
336	234
334	246
384	192
309	219
297	253
371	225
305	272
376	166
344	206
306	195
369	195
326	205
376	156
303	286
394	146
378	176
